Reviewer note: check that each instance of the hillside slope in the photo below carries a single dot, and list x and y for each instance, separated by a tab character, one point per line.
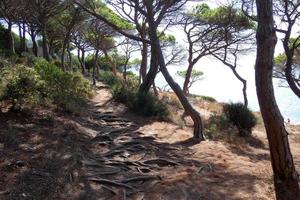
110	153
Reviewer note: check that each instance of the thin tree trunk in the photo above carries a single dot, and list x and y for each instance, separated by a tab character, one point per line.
24	37
285	175
11	41
150	77
34	44
125	70
113	64
83	60
187	79
70	56
21	48
289	77
198	125
244	82
144	62
45	45
95	65
80	61
62	58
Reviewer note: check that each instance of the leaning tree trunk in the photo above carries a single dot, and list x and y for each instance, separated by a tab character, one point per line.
289	77
187	79
188	108
244	82
11	41
70	56
285	175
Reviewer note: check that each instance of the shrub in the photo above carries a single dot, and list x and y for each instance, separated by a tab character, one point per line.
241	117
22	86
109	78
64	88
128	94
26	87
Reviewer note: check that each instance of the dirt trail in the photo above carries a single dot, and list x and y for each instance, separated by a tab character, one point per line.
110	153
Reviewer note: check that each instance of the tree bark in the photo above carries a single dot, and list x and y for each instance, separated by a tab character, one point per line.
113	64
34	44
11	41
187	79
95	65
45	44
80	60
70	56
21	48
150	77
24	37
285	175
288	74
144	62
244	82
156	50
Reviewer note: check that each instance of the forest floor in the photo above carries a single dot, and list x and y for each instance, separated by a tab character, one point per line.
111	153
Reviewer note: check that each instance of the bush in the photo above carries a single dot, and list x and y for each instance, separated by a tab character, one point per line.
22	86
241	117
128	94
64	88
45	83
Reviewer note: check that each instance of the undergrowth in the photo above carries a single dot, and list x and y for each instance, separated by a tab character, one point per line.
42	83
128	94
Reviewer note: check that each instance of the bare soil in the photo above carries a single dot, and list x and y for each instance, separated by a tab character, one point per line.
110	153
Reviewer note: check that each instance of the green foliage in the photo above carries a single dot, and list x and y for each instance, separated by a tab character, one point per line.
22	86
240	116
222	16
196	74
43	84
128	94
64	88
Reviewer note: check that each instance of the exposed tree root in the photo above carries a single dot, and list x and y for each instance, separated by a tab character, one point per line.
109	182
161	162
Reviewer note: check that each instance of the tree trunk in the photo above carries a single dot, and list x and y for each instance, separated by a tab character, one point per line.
11	41
24	37
289	77
21	48
150	77
80	61
244	82
198	126
94	66
285	175
45	45
83	60
144	63
62	58
125	69
113	64
70	56
34	44
187	79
